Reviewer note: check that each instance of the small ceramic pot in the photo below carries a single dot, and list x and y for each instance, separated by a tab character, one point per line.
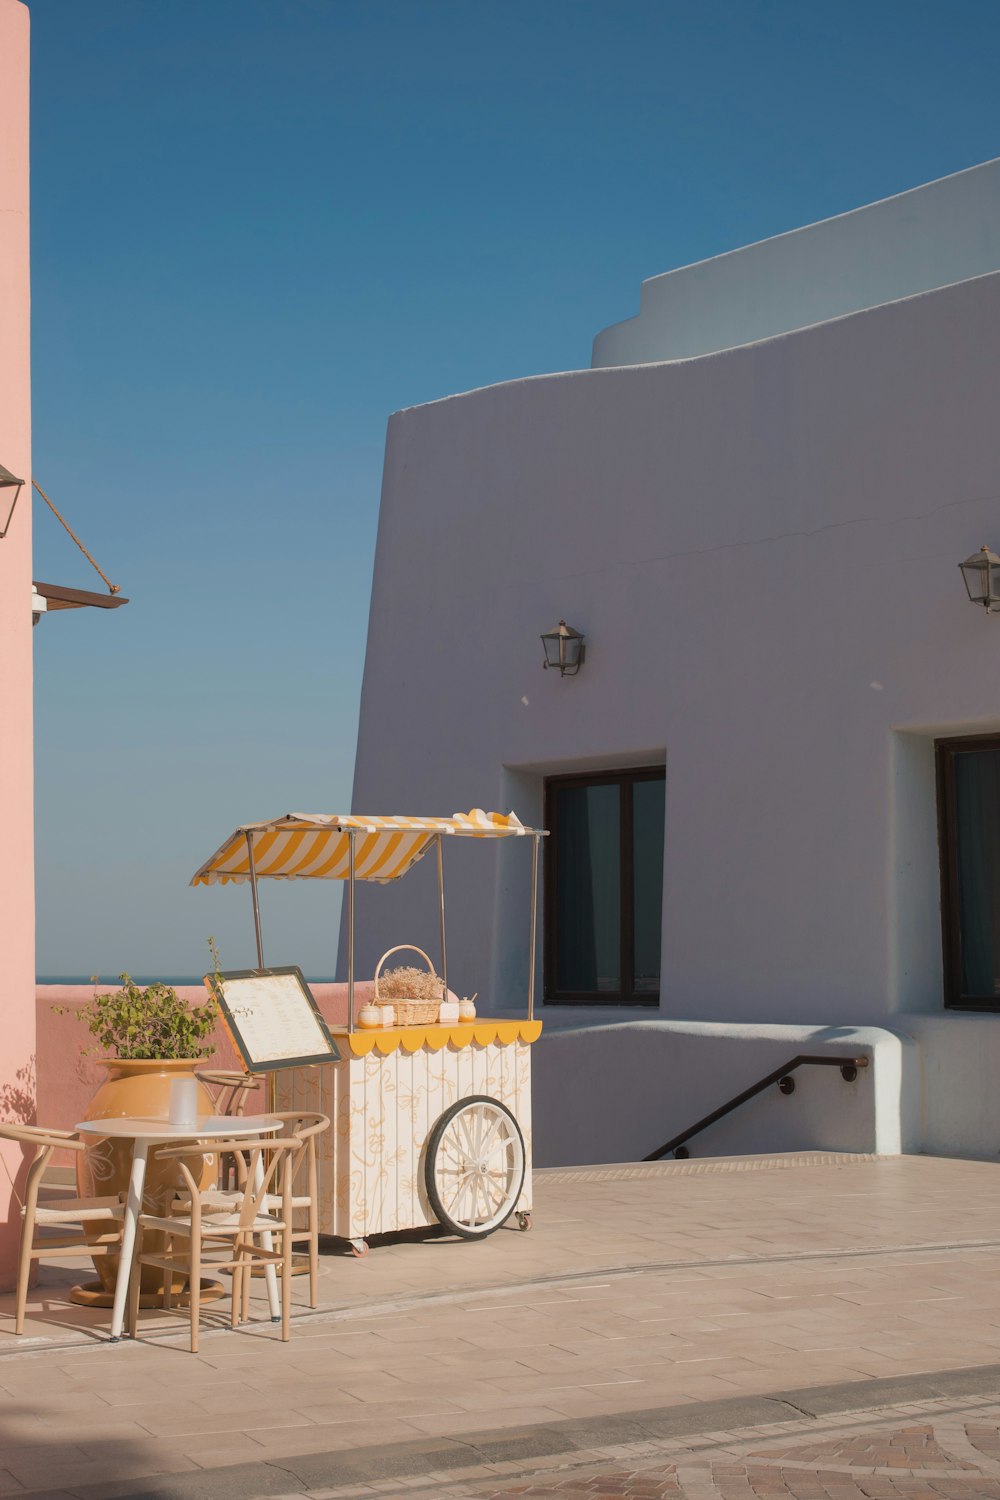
466	1010
370	1017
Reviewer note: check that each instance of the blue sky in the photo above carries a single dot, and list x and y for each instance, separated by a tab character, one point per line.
260	226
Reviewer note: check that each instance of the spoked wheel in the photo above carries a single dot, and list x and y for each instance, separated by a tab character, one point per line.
474	1168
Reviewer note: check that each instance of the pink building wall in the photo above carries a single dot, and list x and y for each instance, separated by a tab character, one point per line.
17	908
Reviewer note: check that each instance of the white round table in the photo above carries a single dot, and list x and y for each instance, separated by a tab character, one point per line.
145	1133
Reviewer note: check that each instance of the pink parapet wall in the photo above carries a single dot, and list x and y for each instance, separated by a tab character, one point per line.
68	1068
69	1072
17	903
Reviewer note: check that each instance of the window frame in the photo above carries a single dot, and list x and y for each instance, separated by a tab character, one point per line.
945	753
626	994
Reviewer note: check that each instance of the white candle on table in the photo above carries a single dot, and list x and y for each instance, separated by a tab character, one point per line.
183	1108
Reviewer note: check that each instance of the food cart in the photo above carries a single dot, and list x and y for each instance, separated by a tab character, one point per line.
430	1123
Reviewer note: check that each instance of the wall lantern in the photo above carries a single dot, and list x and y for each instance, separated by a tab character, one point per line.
981	573
8	482
564	649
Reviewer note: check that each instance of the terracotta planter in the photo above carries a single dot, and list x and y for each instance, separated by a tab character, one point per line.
138	1089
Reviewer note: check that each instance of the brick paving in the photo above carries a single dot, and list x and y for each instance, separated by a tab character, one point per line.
930	1450
640	1289
914	1447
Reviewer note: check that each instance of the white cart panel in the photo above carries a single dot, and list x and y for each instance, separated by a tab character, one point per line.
383	1105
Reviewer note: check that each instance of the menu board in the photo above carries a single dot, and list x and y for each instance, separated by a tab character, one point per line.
272	1017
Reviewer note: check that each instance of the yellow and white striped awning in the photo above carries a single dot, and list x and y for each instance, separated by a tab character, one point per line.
316	846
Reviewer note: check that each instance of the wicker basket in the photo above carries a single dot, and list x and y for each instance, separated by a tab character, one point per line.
409	1010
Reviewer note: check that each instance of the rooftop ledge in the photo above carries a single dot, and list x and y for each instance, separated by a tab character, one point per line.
929	237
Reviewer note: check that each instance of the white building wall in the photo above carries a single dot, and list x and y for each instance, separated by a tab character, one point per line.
609	1090
621	1091
956	1061
761	547
932	236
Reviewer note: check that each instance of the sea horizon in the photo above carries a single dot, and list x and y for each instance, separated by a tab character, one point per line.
115	981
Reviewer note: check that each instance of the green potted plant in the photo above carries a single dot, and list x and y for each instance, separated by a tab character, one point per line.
146	1037
148	1023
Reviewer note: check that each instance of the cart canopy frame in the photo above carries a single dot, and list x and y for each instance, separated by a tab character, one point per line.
316	846
352	847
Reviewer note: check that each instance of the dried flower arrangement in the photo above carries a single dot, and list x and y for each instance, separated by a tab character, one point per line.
414	994
407	983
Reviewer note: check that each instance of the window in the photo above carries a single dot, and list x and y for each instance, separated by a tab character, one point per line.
604	887
968	773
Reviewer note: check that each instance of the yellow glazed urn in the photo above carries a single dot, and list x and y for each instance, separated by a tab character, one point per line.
137	1090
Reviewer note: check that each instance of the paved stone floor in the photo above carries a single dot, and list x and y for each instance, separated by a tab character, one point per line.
642	1289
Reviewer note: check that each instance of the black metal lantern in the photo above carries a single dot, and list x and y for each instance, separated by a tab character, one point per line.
981	574
9	481
564	649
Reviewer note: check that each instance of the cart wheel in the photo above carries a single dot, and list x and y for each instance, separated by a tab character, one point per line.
359	1248
474	1168
523	1219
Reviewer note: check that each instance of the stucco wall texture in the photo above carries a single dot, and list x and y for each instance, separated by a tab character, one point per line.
931	236
761	547
17	911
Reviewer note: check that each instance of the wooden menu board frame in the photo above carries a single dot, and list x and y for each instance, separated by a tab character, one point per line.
298	1006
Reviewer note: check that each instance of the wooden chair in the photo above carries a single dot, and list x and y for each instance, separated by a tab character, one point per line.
305	1127
220	1230
305	1187
230	1090
108	1213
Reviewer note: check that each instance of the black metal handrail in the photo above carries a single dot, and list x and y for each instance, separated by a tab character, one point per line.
781	1076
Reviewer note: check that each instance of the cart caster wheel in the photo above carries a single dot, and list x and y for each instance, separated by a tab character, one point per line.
524	1220
359	1248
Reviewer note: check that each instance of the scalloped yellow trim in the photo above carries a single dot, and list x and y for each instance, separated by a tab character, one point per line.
412	1038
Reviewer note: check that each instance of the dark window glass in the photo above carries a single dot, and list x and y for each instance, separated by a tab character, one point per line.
969	811
588	900
604	887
